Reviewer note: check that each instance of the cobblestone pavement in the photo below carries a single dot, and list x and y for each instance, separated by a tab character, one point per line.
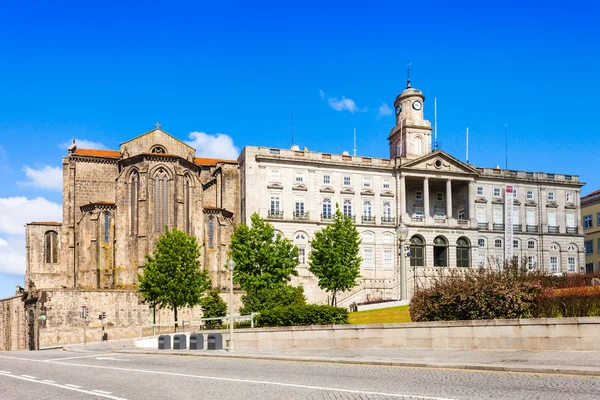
65	375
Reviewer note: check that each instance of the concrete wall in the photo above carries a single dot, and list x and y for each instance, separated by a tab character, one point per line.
524	334
12	324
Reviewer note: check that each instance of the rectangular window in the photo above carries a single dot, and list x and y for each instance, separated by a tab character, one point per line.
530	195
481	242
418	195
481	217
299	177
461	214
347	181
274	205
439	196
516	216
570	219
551	217
514	192
550	196
572	264
587	221
275	176
531	244
480	191
531	262
368	263
387	210
569	197
481	260
515	244
299	206
326	179
531	217
366	182
496	192
387	259
326	207
598	219
386	184
301	256
498	217
589	246
367	208
347	207
498	243
553	264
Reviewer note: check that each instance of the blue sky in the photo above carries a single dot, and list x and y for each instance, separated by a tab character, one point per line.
105	72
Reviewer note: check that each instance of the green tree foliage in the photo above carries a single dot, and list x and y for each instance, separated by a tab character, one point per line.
213	306
310	314
334	258
263	260
259	300
173	277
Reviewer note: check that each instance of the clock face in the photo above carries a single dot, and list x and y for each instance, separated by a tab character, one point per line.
417	105
398	110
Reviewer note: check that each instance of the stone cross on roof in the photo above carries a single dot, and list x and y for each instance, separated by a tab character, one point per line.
157	125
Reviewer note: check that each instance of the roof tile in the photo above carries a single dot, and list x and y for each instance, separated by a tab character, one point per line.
98	153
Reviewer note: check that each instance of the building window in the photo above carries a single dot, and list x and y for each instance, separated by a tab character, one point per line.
387	210
531	263
134	191
498	243
572	264
386	184
598	247
417	252
589	246
569	197
347	181
531	217
481	217
347	207
461	214
275	205
326	207
367	182
418	195
570	219
462	253
439	196
553	264
480	191
275	176
498	217
387	238
496	192
387	259
161	201
158	150
598	219
51	239
531	244
440	252
299	210
481	260
515	244
481	242
514	192
211	233
551	217
187	207
368	263
587	221
550	196
106	227
515	220
301	256
299	176
367	208
530	195
326	179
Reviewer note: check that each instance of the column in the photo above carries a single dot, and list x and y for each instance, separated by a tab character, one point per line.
471	214
402	196
449	198
426	198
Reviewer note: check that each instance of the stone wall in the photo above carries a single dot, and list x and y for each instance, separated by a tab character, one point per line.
13	324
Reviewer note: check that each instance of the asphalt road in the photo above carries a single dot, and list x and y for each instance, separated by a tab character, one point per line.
56	374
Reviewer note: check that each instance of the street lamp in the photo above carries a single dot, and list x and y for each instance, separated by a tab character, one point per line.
401	234
231	265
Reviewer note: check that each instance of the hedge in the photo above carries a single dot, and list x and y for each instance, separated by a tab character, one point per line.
303	315
569	302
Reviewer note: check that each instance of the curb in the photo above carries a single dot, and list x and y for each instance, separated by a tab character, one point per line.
473	367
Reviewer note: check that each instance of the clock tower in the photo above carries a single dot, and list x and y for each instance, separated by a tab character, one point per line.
411	137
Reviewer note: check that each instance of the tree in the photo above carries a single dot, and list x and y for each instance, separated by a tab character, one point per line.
334	258
280	295
262	258
173	277
213	306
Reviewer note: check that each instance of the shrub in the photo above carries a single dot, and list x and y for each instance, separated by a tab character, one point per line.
213	306
303	315
282	295
569	302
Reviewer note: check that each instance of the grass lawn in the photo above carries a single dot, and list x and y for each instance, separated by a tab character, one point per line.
381	316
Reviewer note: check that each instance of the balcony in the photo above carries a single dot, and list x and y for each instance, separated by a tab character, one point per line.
275	214
301	216
327	217
553	229
498	227
440	219
517	228
388	221
418	219
483	225
368	219
572	230
462	222
532	228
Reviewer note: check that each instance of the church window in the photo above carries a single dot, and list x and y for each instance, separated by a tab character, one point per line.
51	239
211	233
158	150
187	204
134	189
161	201
106	227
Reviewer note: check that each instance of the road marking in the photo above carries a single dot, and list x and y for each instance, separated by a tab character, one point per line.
4	372
73	386
111	358
75	358
29	376
48	381
101	391
106	396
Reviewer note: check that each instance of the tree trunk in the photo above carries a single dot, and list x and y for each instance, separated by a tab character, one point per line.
175	315
334	299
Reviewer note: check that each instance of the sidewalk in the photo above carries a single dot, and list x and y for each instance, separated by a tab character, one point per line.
552	362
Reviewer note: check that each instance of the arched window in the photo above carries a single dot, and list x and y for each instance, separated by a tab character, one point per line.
51	239
211	233
106	227
418	145
417	251
463	251
134	190
301	242
440	252
161	201
158	150
187	204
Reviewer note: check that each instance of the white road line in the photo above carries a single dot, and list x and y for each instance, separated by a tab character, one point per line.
29	376
249	381
73	386
48	381
4	372
74	358
107	396
101	391
111	358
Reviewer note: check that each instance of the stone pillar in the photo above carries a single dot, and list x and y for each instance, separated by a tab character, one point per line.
426	197
471	211
402	196
449	198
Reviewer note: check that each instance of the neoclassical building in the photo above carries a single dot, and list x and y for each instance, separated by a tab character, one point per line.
458	215
117	203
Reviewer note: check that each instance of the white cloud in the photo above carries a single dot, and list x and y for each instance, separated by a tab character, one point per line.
218	145
342	104
15	212
12	256
46	177
384	110
84	144
322	93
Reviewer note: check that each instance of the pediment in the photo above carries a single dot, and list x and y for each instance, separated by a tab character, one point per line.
367	192
300	186
552	204
327	189
387	193
497	201
158	142
347	191
439	161
481	200
570	206
530	203
275	185
516	202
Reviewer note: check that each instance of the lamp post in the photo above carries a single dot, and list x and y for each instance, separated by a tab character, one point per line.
231	265
401	234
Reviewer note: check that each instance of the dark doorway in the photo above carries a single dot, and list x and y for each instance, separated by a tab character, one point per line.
440	252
